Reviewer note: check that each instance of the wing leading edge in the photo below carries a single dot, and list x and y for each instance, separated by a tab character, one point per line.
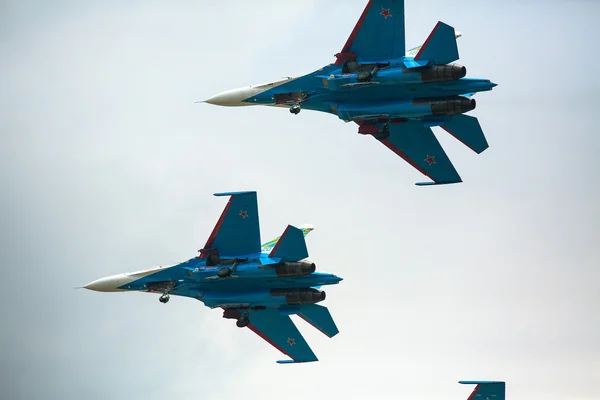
378	34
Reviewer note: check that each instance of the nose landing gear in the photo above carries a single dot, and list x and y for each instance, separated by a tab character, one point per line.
164	298
295	109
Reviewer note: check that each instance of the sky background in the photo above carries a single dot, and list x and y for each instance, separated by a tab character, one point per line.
107	166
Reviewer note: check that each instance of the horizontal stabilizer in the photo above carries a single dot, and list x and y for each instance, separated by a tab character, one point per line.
440	47
468	131
487	389
291	246
319	317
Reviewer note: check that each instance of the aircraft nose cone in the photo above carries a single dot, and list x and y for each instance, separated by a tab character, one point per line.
234	97
107	284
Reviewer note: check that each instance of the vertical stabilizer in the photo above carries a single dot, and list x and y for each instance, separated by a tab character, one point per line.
290	246
440	47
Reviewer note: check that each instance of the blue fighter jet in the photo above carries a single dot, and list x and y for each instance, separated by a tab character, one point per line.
258	286
394	96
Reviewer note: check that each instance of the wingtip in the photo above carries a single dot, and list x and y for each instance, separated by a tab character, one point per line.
437	183
234	193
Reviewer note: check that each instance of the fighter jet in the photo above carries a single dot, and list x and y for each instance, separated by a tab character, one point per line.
258	286
393	96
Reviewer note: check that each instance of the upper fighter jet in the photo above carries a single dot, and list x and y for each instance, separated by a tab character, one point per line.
259	286
394	96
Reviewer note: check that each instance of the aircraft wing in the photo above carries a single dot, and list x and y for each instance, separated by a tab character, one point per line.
237	231
378	34
279	331
418	146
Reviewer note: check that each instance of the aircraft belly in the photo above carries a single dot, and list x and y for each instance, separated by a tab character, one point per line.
397	109
247	298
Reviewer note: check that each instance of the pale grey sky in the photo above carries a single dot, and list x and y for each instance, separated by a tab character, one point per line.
107	166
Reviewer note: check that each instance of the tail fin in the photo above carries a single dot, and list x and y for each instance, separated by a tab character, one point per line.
291	245
413	52
486	390
319	317
306	229
468	131
440	47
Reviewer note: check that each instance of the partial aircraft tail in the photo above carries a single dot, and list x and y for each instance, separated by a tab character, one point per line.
267	247
486	390
290	246
468	131
319	317
439	48
413	52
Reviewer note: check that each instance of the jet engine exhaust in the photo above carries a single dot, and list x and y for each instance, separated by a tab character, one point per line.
300	296
295	269
452	106
443	73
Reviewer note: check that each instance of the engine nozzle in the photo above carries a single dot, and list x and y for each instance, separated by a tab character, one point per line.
443	73
300	296
295	268
450	106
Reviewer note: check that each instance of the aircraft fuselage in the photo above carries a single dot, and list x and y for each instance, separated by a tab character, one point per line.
391	92
252	283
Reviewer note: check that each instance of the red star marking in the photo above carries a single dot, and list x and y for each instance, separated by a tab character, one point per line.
430	160
385	13
243	214
291	341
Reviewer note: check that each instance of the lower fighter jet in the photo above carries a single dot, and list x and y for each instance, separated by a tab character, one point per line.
258	286
392	95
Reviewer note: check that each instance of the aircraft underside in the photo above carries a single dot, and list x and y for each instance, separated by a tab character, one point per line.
393	95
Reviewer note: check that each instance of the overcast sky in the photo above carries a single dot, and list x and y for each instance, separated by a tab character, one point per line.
107	166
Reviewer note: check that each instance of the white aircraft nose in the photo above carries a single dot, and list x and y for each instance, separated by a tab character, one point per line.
232	97
107	284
